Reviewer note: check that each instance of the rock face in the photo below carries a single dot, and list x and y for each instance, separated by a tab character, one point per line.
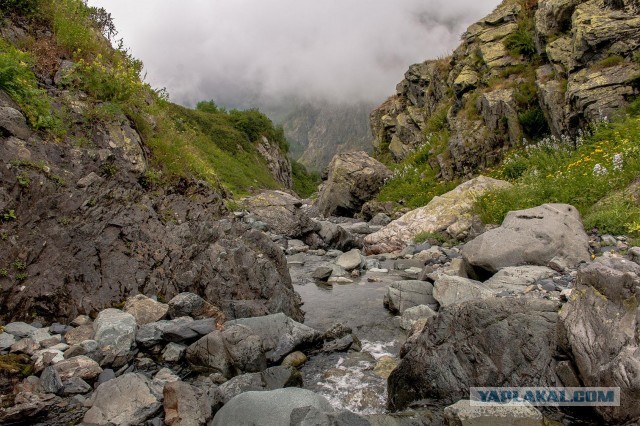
493	342
282	213
353	179
277	162
600	325
450	213
449	98
534	236
268	408
89	247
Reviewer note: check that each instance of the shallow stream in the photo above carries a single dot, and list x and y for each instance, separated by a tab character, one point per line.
348	380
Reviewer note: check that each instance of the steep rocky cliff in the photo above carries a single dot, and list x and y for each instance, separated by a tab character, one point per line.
323	130
104	196
528	69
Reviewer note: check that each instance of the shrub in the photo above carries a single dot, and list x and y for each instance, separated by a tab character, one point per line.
25	8
520	42
533	122
304	183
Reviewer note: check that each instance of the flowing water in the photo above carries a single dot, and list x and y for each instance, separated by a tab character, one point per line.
348	380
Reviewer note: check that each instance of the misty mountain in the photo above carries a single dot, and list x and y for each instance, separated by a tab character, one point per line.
318	131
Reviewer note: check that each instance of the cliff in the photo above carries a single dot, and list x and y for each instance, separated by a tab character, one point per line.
528	69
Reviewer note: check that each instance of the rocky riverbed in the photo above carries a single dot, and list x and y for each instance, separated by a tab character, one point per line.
388	338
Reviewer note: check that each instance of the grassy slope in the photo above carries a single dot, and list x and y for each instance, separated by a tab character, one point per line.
213	145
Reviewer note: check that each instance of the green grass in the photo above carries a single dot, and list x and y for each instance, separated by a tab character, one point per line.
567	171
608	62
304	183
414	181
436	238
521	42
19	82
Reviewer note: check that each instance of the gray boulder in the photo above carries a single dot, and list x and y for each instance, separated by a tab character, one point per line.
462	413
336	237
600	325
530	237
235	350
450	290
115	332
194	306
492	342
19	329
517	278
268	408
272	378
353	179
350	260
79	366
280	334
126	400
403	295
282	212
411	315
6	340
13	122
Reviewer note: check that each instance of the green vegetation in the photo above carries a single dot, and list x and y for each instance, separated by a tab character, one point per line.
304	183
208	143
436	238
521	42
19	81
414	182
593	173
608	62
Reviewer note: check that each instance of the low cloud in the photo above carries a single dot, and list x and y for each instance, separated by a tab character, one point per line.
238	52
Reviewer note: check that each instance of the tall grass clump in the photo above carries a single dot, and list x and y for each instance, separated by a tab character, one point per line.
591	171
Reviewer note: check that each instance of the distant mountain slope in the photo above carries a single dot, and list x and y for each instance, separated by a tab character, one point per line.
318	131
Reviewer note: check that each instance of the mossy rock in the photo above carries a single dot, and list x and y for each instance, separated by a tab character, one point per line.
12	369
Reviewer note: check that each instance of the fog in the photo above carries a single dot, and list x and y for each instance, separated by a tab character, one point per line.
243	52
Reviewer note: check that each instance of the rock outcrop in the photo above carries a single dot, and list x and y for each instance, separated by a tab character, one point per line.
600	326
352	180
489	94
450	213
493	342
278	163
82	248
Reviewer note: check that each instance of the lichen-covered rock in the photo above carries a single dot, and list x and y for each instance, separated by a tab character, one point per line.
278	162
451	213
353	179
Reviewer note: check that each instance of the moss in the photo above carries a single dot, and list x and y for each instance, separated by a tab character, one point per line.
16	364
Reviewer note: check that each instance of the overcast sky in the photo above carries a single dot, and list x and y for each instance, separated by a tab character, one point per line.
333	50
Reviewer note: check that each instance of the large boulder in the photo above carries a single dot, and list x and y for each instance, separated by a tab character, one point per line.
268	408
127	400
451	290
14	123
280	334
492	342
353	179
402	295
450	213
518	278
600	325
233	351
194	306
115	332
282	212
531	237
